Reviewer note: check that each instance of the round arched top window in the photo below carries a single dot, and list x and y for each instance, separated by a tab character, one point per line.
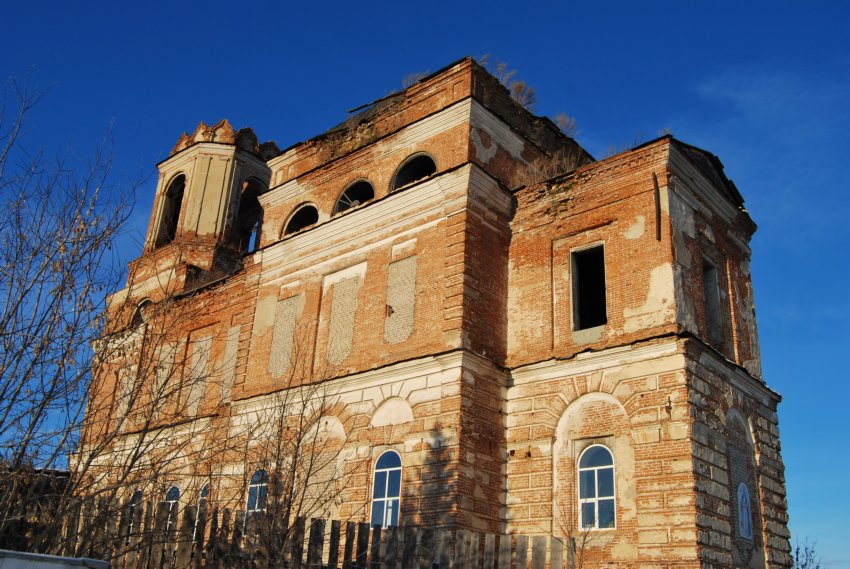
304	217
413	169
354	195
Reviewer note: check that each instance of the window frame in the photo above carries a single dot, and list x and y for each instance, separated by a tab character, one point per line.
386	499
337	210
259	485
596	498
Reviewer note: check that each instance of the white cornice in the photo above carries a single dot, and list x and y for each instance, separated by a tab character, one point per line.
595	361
368	223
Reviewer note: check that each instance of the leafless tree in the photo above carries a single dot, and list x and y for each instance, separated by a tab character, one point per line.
805	555
58	226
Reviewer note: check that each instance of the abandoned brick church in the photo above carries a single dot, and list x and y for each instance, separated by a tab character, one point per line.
510	335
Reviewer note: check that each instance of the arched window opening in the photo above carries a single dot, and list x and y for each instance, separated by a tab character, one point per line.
138	313
249	219
258	492
386	490
413	169
302	219
172	496
171	211
597	502
354	195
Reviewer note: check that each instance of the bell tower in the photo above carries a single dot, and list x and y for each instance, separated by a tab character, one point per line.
206	213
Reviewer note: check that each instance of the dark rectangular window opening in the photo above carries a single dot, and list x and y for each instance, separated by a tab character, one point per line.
588	274
711	302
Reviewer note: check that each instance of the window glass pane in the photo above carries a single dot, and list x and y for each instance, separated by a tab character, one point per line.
587	484
605	476
395	483
377	513
262	493
379	491
392	512
596	456
173	494
587	511
259	477
606	514
389	459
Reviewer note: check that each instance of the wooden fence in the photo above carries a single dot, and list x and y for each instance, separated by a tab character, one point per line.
154	536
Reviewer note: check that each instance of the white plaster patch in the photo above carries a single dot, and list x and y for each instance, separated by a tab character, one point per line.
482	151
637	229
393	411
659	305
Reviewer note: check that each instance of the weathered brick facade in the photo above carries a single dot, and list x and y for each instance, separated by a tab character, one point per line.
442	319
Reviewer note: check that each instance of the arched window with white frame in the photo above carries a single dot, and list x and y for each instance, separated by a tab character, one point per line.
386	490
258	492
596	489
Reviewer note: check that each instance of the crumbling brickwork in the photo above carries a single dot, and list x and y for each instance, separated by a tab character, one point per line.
489	326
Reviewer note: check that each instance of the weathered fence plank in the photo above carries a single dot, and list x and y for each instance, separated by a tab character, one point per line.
426	548
538	552
350	529
316	544
362	545
333	548
505	551
489	550
408	557
375	549
522	552
297	543
442	556
556	553
391	558
183	556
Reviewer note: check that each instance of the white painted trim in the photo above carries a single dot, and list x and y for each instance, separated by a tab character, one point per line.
597	361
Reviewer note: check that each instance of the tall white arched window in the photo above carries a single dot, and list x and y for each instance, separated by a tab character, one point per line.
258	492
386	490
597	502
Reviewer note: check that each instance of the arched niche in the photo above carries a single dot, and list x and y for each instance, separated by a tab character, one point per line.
594	420
329	427
393	411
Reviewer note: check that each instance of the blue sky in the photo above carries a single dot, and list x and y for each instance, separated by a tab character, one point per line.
764	85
